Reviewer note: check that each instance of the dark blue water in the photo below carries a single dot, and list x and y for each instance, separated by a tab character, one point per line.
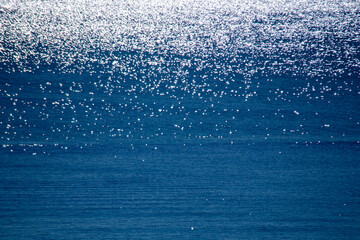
212	191
203	120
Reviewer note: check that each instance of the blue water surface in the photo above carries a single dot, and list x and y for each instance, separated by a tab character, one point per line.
147	120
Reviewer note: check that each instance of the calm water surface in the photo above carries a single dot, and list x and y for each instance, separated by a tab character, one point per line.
179	120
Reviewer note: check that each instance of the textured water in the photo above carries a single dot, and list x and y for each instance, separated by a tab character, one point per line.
179	119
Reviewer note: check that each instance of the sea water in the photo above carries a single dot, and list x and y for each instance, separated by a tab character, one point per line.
179	120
